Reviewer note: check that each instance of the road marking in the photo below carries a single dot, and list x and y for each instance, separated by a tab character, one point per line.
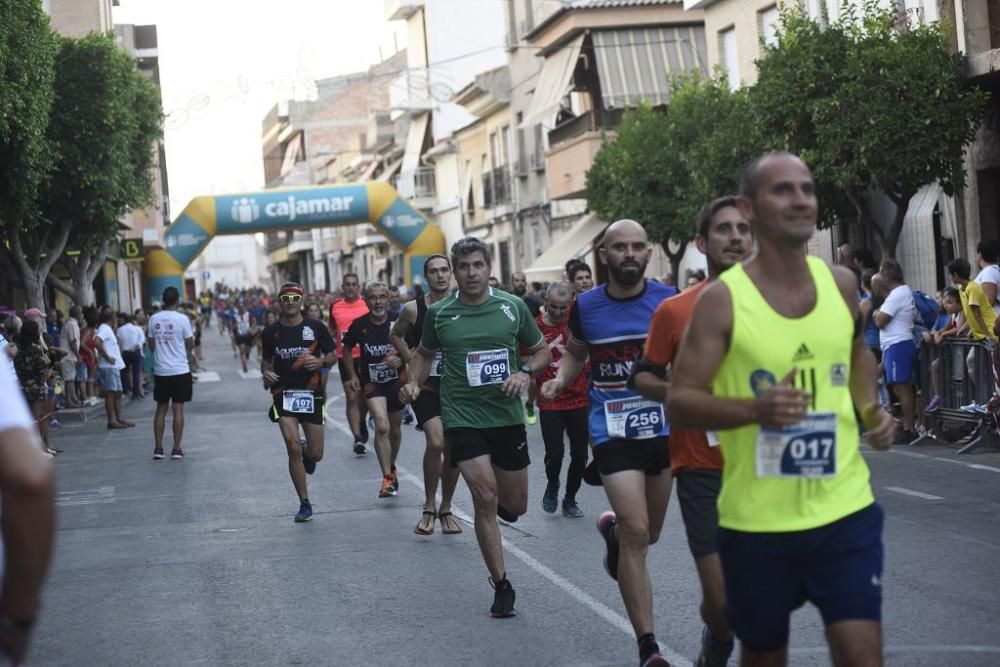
918	649
252	374
105	494
207	376
915	455
333	400
911	492
614	618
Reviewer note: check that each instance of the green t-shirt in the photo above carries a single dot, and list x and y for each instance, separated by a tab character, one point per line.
480	346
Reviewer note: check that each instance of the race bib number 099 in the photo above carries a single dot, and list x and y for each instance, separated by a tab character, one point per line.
298	402
487	367
806	450
634	418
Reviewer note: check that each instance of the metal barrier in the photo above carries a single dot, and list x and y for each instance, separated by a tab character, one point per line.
970	403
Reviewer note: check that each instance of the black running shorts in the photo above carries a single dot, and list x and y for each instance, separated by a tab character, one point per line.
343	369
317	416
387	390
698	494
176	388
426	407
652	455
507	446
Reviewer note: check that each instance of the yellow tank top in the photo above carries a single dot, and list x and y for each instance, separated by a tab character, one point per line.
812	474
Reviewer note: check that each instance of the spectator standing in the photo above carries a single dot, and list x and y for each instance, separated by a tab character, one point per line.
130	338
895	319
32	365
987	254
109	368
88	352
171	338
70	367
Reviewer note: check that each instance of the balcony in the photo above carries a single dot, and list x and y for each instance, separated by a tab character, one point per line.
573	147
400	10
496	188
418	186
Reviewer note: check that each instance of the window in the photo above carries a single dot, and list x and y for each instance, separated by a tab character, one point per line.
505	145
729	57
768	21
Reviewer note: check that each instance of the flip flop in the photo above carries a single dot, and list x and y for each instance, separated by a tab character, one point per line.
443	516
426	531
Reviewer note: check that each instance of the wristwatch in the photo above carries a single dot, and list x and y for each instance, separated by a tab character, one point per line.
526	368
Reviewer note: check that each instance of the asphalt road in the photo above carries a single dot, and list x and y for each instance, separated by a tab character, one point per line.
198	561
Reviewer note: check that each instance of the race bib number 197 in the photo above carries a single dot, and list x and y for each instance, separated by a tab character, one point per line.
487	367
808	449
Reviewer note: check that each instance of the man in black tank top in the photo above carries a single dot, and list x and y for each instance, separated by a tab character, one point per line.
405	337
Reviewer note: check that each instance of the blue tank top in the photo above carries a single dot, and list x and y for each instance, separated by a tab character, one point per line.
615	333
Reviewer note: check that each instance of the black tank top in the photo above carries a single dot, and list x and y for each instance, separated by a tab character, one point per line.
417	330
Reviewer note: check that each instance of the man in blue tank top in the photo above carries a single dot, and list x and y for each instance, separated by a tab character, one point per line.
628	432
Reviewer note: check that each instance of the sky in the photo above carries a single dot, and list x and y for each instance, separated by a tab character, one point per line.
225	63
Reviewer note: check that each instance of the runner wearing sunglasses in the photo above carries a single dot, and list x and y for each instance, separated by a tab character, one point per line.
294	351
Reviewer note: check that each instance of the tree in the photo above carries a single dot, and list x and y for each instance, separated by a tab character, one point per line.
105	118
869	103
662	167
27	51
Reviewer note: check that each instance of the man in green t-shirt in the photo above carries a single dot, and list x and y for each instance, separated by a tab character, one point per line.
479	331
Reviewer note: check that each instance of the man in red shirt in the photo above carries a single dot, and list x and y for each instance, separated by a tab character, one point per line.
342	313
725	238
566	415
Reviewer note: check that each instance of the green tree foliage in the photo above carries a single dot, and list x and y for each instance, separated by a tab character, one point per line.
105	118
27	55
869	102
662	167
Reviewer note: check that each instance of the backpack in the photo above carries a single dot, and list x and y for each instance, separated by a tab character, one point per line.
927	309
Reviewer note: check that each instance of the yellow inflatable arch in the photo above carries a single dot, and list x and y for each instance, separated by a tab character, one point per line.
298	208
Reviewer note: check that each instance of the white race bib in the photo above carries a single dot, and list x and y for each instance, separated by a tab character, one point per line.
437	366
381	373
807	449
634	418
487	367
298	401
713	438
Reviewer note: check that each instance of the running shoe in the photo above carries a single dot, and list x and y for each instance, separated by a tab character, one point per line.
305	513
158	454
307	462
655	660
177	454
551	498
571	510
395	480
387	490
359	448
408	416
606	527
532	417
934	405
503	599
364	431
713	653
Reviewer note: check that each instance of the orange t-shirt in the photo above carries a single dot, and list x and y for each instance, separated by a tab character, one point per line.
688	449
342	313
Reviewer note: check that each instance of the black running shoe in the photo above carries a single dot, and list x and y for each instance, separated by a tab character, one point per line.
503	599
606	527
307	462
359	448
713	653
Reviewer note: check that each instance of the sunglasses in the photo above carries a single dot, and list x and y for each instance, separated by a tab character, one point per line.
290	298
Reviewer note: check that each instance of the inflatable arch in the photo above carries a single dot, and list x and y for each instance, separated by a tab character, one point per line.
286	209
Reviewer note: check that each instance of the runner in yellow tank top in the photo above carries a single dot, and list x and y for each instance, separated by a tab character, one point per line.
774	359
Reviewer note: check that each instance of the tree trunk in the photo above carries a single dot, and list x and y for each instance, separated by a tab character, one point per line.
83	269
675	258
902	206
34	271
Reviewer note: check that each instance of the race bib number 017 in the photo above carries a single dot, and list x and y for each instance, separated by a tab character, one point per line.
487	367
299	402
806	450
381	373
634	418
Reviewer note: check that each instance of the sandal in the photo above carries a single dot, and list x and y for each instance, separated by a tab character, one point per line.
420	530
451	527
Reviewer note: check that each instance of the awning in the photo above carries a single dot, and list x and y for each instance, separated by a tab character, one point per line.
415	142
917	248
554	83
636	64
390	171
574	242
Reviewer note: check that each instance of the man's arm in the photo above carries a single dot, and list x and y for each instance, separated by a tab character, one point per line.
691	402
571	364
650	381
27	493
539	359
400	328
99	344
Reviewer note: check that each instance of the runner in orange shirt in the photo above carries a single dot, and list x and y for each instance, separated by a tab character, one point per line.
725	238
342	313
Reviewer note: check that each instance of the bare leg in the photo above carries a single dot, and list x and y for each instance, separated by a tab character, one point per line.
395	434
904	392
290	434
713	597
478	474
315	442
352	410
383	446
855	643
159	424
178	425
